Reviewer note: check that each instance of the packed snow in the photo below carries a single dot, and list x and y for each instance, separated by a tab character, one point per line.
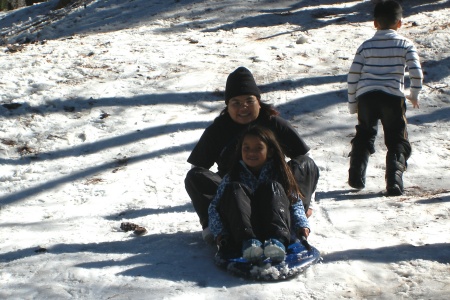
102	103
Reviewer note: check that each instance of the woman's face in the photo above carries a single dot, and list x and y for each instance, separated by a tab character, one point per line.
254	153
243	109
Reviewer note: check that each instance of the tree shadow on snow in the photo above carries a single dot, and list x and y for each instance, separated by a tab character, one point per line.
434	200
137	213
97	17
405	252
41	22
412	7
441	69
176	257
71	106
98	146
317	15
438	115
77	105
286	85
349	194
85	173
352	194
312	103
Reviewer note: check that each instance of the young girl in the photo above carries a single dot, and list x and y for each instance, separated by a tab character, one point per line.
257	201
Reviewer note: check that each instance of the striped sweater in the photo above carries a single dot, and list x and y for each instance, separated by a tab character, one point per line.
380	64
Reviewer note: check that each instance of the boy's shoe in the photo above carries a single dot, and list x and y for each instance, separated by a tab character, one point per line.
394	190
356	181
252	250
207	236
275	250
395	166
357	170
394	183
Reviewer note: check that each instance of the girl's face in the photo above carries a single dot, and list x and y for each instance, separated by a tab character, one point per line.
243	109
254	153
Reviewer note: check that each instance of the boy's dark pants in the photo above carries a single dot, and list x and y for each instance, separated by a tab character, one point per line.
261	215
390	110
201	184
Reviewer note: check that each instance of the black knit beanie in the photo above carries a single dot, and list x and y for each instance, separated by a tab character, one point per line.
241	82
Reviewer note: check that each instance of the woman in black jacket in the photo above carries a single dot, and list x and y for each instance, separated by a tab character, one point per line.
218	144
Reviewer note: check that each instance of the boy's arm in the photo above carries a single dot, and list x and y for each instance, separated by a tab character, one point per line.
415	75
352	81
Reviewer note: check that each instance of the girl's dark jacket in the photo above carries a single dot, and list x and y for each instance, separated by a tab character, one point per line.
247	178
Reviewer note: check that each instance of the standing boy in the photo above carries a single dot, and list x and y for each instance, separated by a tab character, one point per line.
376	92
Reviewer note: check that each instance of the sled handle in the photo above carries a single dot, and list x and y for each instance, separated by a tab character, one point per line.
305	243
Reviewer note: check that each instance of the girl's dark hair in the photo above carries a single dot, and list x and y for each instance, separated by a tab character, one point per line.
282	170
267	110
387	13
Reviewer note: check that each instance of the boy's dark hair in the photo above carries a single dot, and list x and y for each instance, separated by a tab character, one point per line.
284	173
387	13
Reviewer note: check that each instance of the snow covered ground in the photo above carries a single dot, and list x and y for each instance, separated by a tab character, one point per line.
101	108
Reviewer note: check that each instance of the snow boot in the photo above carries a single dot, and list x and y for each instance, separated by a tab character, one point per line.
395	166
357	170
252	250
275	250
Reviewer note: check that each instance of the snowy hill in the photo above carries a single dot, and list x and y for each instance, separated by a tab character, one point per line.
100	106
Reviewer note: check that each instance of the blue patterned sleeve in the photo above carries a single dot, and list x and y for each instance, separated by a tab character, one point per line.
215	223
298	216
